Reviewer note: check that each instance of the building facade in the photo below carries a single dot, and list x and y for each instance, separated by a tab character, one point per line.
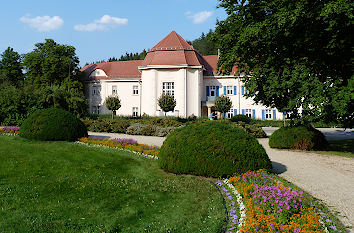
172	67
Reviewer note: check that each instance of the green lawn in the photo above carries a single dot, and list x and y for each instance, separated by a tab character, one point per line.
341	148
65	187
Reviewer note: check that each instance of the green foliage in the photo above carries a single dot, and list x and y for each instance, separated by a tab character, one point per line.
223	104
119	126
298	137
113	104
11	68
166	102
292	66
204	44
253	130
212	149
242	118
149	130
53	124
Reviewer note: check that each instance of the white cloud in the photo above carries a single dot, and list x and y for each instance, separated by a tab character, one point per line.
43	23
102	24
199	17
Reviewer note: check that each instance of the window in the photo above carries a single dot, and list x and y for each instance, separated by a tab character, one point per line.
230	113
268	114
229	90
168	88
135	112
114	90
96	109
212	90
135	90
96	90
248	112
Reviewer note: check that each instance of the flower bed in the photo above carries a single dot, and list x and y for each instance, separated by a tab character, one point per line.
9	130
272	206
123	143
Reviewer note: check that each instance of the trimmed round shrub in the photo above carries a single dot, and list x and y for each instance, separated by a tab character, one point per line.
298	137
53	124
242	118
212	149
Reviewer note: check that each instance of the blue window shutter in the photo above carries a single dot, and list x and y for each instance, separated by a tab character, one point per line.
235	90
224	90
243	90
224	114
217	90
243	112
274	114
235	112
254	113
263	114
284	115
207	91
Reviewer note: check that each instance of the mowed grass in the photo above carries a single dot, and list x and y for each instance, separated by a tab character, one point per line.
66	187
343	148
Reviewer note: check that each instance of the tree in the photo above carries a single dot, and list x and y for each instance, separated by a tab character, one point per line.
51	63
223	104
166	102
11	68
204	44
113	104
295	54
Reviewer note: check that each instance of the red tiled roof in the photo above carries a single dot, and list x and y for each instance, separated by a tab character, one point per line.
172	50
210	63
116	69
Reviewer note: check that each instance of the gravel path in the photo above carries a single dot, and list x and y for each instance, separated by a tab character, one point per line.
329	178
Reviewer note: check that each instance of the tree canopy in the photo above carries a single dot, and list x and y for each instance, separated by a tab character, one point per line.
50	63
297	54
223	104
11	68
205	44
113	103
167	103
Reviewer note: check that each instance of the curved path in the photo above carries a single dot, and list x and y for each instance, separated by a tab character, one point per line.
329	178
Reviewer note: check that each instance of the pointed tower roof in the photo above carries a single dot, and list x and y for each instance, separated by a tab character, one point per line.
172	50
172	41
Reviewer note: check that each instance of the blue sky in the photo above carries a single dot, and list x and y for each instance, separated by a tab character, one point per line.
102	29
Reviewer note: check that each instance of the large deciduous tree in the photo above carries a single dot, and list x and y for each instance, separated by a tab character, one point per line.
296	53
51	63
11	68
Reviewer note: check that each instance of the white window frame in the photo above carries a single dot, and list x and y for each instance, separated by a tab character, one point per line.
114	90
168	88
230	113
135	111
212	89
268	114
96	90
96	109
135	90
248	112
229	90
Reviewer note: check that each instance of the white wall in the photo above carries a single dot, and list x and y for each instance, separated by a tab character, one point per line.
239	101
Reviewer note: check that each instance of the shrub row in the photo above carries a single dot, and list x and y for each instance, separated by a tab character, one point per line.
154	127
253	130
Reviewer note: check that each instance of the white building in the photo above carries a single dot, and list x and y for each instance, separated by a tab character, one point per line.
173	67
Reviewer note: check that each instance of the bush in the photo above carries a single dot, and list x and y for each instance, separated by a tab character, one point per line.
150	130
53	124
212	149
163	132
119	126
253	130
298	137
242	118
135	129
